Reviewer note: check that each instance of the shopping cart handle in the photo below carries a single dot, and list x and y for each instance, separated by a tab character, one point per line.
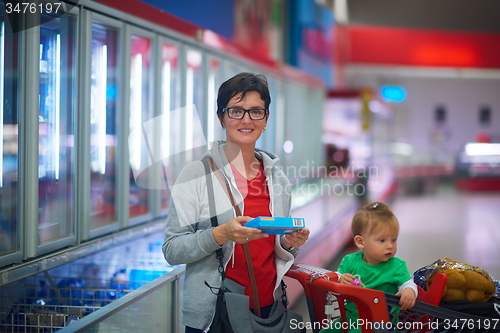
435	292
371	303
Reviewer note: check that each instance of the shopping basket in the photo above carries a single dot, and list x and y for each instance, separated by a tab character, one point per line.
378	311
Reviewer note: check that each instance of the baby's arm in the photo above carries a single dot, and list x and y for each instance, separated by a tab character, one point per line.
345	266
408	292
345	278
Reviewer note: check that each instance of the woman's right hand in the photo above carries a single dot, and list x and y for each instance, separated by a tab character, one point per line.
236	232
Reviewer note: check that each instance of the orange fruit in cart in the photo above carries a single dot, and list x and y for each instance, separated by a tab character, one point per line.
455	279
453	295
466	285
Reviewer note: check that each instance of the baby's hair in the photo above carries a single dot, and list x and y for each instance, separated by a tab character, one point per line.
372	217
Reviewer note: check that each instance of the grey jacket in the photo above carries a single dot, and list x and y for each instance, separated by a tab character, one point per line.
188	233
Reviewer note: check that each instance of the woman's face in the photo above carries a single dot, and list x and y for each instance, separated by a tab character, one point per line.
244	131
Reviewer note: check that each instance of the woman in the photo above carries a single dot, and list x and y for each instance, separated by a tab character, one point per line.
259	187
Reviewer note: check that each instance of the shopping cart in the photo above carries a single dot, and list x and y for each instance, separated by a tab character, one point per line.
378	311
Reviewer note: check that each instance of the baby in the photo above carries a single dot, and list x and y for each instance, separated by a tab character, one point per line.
375	229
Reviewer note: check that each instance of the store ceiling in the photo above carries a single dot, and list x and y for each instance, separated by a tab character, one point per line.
464	15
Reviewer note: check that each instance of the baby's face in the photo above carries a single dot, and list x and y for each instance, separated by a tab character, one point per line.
380	246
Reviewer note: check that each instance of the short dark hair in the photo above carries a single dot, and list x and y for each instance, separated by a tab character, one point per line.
241	84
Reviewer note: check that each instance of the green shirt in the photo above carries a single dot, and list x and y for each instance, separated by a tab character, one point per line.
386	276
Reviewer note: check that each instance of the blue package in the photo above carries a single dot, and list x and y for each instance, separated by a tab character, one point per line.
277	225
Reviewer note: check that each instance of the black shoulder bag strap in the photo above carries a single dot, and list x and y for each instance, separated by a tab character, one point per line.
213	216
209	164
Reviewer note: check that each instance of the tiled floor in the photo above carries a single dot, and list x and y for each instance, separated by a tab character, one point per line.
463	226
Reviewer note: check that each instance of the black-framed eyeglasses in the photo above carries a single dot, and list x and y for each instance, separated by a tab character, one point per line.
239	113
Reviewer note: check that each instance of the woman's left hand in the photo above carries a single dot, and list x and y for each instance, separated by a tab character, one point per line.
296	238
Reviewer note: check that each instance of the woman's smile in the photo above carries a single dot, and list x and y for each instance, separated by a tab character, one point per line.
245	131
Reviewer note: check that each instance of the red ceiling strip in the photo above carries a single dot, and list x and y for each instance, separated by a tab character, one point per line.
419	47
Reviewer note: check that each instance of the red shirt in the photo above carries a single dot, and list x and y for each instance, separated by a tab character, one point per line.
256	202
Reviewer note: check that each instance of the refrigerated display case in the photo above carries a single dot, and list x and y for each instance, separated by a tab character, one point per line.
53	299
478	167
9	139
103	125
56	128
